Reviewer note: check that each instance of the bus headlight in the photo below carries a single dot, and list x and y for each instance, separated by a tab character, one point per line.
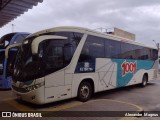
33	87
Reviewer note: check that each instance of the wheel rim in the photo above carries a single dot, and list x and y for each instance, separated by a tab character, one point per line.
144	83
84	91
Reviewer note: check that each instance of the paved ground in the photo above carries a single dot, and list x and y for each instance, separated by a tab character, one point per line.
133	98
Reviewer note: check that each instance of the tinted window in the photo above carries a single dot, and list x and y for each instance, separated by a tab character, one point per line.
27	65
112	49
54	57
25	35
146	53
96	47
155	54
93	48
5	40
73	36
134	52
19	38
128	51
60	52
143	53
12	53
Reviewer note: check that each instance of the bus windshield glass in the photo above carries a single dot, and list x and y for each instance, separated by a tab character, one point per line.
5	40
12	53
52	55
25	67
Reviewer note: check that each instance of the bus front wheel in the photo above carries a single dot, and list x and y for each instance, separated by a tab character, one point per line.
144	81
84	91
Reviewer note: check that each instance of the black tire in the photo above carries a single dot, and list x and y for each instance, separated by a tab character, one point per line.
84	91
144	81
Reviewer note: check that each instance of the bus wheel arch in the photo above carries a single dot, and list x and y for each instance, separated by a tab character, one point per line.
85	90
144	80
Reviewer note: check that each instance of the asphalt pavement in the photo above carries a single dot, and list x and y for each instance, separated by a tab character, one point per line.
103	105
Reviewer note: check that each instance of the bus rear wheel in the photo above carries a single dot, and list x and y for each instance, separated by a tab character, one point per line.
144	81
84	91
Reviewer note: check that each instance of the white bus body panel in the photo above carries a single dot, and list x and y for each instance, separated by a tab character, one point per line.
106	71
57	86
57	93
55	79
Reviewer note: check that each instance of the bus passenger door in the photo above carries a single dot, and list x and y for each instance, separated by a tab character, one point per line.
53	65
54	73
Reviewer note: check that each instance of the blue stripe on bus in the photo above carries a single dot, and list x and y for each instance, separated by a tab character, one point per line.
124	77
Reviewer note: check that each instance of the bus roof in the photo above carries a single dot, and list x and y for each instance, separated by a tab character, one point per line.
16	33
91	32
11	35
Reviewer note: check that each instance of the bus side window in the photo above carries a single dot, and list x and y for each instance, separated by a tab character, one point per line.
54	57
155	54
85	53
92	49
141	53
68	52
115	49
125	51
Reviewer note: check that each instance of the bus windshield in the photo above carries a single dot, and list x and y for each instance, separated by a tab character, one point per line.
25	67
52	56
5	40
12	53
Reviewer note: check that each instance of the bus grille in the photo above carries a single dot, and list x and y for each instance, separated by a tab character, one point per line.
22	90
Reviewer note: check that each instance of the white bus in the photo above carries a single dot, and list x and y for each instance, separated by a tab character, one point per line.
66	62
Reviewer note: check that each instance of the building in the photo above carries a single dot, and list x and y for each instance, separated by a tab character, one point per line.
123	34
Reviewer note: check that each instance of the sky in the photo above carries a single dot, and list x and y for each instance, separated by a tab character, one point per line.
141	17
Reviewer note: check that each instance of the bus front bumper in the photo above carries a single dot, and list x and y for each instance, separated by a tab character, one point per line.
35	96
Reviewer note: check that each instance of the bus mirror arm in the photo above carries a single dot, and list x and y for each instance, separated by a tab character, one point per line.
38	40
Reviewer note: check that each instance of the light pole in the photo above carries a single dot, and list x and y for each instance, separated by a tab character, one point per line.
13	28
157	44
